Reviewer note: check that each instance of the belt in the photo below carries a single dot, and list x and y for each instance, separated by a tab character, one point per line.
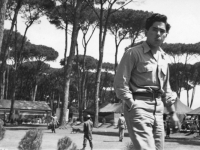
150	95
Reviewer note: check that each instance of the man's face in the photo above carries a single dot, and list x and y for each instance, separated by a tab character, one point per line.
156	34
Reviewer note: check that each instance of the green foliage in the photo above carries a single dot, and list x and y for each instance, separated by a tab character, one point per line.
32	140
2	130
66	144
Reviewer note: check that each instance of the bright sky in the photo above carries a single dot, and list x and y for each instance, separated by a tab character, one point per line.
183	15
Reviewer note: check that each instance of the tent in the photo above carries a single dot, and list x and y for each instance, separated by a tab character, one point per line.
181	109
111	112
194	112
117	108
108	111
112	108
24	108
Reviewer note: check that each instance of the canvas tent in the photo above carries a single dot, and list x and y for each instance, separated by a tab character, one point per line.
181	109
112	108
25	107
115	109
111	112
194	112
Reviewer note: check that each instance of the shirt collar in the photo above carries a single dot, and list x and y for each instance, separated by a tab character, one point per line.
146	47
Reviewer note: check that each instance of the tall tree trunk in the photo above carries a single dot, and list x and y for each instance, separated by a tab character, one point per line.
58	101
2	18
65	103
53	97
97	86
80	100
193	93
4	53
116	62
188	97
35	92
3	85
68	66
7	82
13	95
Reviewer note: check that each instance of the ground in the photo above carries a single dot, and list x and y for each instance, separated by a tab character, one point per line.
104	138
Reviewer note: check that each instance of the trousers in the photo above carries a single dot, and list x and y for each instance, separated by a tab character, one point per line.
145	124
89	138
121	133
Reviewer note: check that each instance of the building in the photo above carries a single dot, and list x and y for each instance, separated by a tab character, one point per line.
24	108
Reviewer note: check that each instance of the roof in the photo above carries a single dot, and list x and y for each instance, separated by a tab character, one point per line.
112	107
117	108
195	111
25	105
107	108
180	108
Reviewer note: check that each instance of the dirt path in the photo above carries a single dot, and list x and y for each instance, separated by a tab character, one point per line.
104	138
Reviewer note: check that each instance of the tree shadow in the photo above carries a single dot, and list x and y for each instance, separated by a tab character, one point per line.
185	141
110	141
107	133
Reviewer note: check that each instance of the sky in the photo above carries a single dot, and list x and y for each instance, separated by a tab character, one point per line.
183	15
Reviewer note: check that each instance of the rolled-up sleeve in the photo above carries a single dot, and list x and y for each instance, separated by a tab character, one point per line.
123	75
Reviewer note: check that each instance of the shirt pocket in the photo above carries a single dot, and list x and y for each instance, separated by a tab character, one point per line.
145	72
144	67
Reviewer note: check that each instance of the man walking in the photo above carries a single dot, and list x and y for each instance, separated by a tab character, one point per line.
142	82
54	123
87	129
121	125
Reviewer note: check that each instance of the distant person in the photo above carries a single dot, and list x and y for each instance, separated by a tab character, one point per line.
103	120
121	125
168	130
142	82
193	127
54	123
87	130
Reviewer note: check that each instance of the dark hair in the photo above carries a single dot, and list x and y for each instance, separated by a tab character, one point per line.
157	18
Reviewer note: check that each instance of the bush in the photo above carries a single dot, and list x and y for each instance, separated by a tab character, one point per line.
2	130
66	144
129	146
32	140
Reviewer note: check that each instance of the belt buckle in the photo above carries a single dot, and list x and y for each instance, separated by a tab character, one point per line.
157	95
153	95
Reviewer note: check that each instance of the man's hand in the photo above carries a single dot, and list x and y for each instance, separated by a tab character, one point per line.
130	103
175	121
170	98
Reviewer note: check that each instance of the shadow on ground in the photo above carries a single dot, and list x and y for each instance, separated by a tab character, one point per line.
185	141
108	133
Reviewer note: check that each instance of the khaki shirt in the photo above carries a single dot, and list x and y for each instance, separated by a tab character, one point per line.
87	128
142	71
121	122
